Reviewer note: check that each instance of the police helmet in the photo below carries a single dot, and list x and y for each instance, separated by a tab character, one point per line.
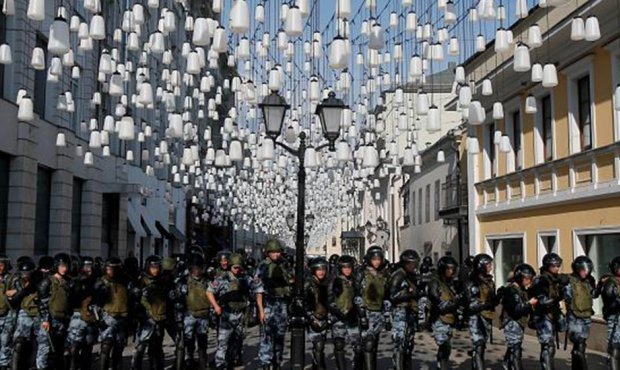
480	263
374	251
273	245
317	263
152	261
196	260
224	254
62	259
582	263
445	263
551	259
27	266
87	261
237	260
333	259
409	255
346	261
113	262
428	261
250	262
22	259
168	264
469	262
522	271
46	263
614	265
7	263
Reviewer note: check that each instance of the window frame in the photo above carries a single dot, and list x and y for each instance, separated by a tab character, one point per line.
584	111
437	199
574	72
427	203
546	157
614	50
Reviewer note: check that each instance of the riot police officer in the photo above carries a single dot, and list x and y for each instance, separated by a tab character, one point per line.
611	312
222	260
480	295
372	300
22	297
516	309
7	314
445	302
82	332
317	308
274	275
404	294
54	298
548	317
229	295
153	297
196	318
333	264
343	314
112	298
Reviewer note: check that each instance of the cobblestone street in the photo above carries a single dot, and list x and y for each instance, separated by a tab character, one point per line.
424	353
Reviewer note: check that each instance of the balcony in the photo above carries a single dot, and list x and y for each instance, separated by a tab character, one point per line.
591	174
453	198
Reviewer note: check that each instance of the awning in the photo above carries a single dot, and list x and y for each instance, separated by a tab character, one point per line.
133	218
177	234
162	230
149	223
351	235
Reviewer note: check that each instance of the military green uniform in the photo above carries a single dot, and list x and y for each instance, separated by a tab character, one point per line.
317	312
112	296
154	301
344	317
196	319
7	322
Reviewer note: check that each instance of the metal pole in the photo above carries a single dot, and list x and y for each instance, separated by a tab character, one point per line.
298	339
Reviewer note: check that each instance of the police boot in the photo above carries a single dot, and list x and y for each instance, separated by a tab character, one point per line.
203	359
578	356
399	360
74	357
104	357
117	357
179	357
339	355
477	363
443	356
507	361
138	356
547	353
86	357
19	355
358	359
318	355
516	359
370	355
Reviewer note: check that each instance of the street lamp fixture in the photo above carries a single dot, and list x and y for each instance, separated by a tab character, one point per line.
290	221
330	114
310	220
274	109
306	239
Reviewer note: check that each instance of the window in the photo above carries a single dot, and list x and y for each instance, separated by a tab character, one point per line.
547	243
109	224
508	253
427	204
2	41
76	215
42	211
5	163
601	248
406	216
437	195
516	138
40	81
413	208
584	111
420	202
547	128
490	150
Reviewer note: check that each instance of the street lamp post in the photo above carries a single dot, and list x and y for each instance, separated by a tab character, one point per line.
329	111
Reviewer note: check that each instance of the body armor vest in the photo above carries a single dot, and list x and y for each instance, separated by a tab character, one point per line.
487	290
117	303
581	303
344	301
278	281
59	305
237	294
4	303
319	291
155	301
29	304
373	290
197	303
446	295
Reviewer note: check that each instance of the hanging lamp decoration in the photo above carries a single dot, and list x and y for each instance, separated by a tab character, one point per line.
330	113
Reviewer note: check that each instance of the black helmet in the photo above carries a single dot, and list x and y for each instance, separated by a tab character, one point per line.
46	263
614	265
428	261
523	270
223	254
480	263
374	251
87	261
26	266
250	262
7	263
446	262
317	263
582	263
333	259
469	262
346	261
196	260
409	255
113	262
551	259
152	261
62	259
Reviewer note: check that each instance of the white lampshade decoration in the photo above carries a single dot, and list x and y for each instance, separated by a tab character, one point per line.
94	141
433	121
97	27
259	13
530	105
220	40
593	31
115	87
498	111
89	159
473	146
577	29
487	87
502	43
441	156
294	26
61	140
376	40
38	59
522	58
481	43
534	36
36	10
550	76
129	156
25	112
58	41
476	113
6	57
465	95
537	72
239	17
422	104
127	129
338	57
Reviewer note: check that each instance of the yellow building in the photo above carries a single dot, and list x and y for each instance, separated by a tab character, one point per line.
549	180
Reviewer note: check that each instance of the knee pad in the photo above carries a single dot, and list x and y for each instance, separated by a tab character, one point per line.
339	344
369	345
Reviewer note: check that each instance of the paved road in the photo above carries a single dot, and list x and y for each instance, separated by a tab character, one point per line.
424	353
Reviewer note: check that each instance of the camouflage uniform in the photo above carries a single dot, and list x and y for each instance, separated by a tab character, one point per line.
404	295
444	306
28	322
82	332
275	277
317	306
7	322
112	297
196	317
611	312
154	300
344	319
233	294
515	315
372	293
480	296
